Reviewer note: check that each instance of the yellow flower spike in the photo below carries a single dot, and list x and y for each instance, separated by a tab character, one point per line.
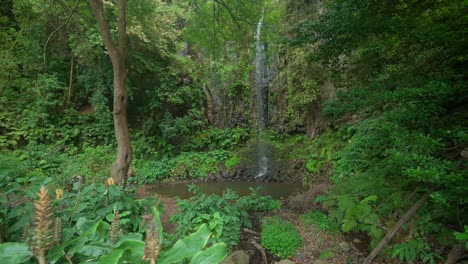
59	192
110	181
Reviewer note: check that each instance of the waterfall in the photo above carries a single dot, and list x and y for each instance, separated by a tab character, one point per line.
261	94
261	80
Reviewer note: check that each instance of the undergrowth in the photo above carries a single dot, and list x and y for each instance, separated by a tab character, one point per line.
224	215
280	237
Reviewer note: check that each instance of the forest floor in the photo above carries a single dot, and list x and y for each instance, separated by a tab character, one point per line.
319	247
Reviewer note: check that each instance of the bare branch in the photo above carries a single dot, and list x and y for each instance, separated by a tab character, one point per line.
231	14
55	31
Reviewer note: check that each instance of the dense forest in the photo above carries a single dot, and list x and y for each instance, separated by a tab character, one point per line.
361	105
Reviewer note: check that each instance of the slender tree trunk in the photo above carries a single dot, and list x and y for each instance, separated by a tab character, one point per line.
455	253
70	82
124	153
117	54
396	228
209	104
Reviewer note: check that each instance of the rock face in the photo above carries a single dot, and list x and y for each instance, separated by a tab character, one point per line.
237	257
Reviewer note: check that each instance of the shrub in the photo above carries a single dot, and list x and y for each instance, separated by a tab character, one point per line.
319	219
280	237
224	215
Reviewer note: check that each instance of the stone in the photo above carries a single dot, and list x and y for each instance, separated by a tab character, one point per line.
237	257
285	261
321	261
345	247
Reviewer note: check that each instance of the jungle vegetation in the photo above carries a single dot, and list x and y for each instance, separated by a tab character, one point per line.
100	97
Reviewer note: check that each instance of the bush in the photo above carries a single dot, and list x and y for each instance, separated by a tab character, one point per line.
280	237
224	215
187	165
319	219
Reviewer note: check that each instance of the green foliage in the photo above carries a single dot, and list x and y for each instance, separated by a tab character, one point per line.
302	83
326	254
353	214
232	162
92	163
212	25
191	247
86	212
280	237
187	165
14	253
214	138
318	161
18	185
319	219
224	215
462	236
405	108
415	249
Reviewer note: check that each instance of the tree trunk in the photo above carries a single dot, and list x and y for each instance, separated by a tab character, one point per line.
117	55
455	253
396	228
124	153
209	104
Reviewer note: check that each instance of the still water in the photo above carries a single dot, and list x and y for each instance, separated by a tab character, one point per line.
275	190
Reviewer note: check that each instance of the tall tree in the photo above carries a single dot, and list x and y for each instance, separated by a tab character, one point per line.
117	53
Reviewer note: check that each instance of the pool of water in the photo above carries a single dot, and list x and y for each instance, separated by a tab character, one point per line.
276	190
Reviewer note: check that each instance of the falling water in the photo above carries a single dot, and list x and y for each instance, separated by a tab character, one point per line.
261	80
261	92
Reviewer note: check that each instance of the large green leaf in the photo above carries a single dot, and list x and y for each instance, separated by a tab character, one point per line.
95	249
157	220
128	236
213	255
14	252
77	243
112	258
187	247
134	250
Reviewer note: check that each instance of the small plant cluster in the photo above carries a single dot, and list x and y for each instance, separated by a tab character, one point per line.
320	220
357	215
215	138
280	237
224	215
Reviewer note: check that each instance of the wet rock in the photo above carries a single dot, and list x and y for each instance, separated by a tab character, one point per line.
285	261
321	261
211	178
345	247
237	257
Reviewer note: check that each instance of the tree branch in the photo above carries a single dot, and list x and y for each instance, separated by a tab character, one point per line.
231	14
98	9
122	45
55	31
397	227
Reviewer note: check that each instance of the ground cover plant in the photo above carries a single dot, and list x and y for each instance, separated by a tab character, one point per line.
280	237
